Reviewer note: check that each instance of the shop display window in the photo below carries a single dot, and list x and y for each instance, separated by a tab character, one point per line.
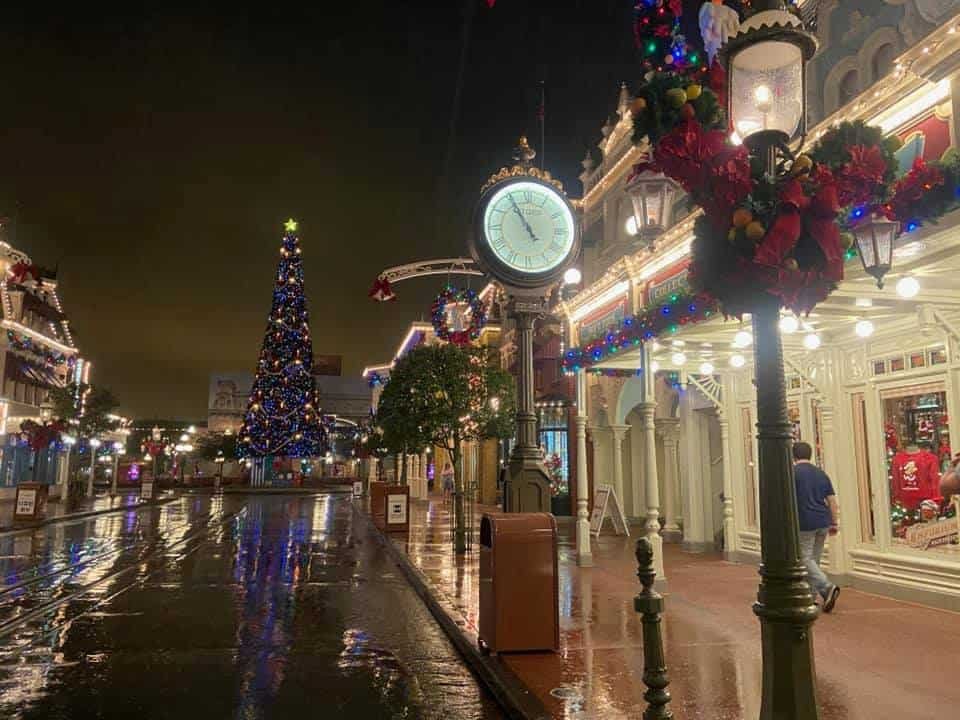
938	356
879	367
918	360
918	453
896	364
553	438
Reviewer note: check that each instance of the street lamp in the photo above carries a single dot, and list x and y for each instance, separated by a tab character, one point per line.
653	195
875	236
117	452
94	444
765	64
69	441
219	461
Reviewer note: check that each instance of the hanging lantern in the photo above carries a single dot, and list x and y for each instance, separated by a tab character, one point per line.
875	236
653	195
766	71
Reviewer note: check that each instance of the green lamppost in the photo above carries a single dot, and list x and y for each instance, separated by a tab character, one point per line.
766	75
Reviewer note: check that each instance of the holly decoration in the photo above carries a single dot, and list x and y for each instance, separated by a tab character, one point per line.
41	435
471	307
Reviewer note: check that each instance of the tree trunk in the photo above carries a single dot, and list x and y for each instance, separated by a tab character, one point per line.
459	518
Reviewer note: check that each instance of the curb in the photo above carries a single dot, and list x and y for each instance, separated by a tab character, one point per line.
506	688
10	530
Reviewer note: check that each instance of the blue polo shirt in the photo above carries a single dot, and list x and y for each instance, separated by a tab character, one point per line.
813	489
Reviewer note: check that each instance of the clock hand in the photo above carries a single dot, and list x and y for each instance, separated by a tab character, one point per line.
523	219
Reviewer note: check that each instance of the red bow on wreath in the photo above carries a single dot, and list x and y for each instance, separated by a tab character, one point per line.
381	291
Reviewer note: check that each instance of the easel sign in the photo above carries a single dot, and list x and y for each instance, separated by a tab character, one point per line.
606	504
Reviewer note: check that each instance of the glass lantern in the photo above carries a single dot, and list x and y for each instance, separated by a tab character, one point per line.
875	236
653	195
766	71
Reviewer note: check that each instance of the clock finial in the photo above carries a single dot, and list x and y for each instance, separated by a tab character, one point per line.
523	153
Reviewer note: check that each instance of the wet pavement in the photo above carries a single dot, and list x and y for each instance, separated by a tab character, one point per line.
877	659
243	607
102	501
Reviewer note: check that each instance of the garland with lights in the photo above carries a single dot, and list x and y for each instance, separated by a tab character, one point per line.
25	344
786	236
282	418
474	307
652	322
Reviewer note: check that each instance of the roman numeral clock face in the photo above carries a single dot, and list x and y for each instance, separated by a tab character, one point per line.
529	227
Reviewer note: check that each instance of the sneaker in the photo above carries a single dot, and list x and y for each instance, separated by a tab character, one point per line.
831	599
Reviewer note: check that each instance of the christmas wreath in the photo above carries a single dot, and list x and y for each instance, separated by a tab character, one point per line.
475	310
785	235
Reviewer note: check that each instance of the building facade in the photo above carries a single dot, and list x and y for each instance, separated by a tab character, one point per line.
873	375
37	354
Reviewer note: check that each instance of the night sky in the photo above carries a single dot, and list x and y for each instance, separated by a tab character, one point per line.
155	155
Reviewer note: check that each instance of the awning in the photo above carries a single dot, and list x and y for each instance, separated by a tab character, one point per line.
21	370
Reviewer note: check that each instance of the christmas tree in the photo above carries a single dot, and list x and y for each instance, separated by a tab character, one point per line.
659	38
282	417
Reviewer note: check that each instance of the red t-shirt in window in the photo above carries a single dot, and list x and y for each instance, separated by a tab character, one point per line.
916	477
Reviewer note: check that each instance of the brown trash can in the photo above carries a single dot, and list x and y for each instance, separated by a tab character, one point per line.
378	504
31	501
396	503
519	591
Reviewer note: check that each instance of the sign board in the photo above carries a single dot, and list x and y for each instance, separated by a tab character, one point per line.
357	488
396	509
936	532
26	502
146	490
606	504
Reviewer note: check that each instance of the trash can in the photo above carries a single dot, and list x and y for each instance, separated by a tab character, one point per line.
30	502
519	593
378	507
397	508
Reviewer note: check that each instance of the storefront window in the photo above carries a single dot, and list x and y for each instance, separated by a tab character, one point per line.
918	452
554	444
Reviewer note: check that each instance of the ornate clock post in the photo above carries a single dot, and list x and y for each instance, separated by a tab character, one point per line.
526	236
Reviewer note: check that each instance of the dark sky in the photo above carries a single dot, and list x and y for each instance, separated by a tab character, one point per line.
154	155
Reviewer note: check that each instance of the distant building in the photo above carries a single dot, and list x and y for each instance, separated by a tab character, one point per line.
37	354
229	392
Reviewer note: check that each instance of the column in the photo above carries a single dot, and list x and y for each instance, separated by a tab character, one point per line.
652	486
729	527
584	553
671	485
619	432
836	544
648	407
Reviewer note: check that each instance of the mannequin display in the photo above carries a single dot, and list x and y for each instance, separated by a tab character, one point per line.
915	476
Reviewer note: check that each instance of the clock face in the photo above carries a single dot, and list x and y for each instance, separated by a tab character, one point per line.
529	227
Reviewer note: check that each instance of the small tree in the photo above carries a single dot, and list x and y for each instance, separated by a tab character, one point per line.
87	409
446	395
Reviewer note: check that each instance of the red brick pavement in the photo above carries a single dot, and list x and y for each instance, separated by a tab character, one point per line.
876	658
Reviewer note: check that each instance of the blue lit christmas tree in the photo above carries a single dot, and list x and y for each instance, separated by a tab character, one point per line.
282	417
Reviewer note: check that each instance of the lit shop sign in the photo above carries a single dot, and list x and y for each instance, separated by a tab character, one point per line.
673	285
598	323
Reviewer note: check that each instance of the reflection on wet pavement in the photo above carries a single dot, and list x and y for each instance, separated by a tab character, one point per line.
234	607
876	658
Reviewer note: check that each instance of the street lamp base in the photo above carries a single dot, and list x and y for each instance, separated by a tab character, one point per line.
526	486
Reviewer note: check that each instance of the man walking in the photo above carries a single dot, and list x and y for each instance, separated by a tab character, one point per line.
819	514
